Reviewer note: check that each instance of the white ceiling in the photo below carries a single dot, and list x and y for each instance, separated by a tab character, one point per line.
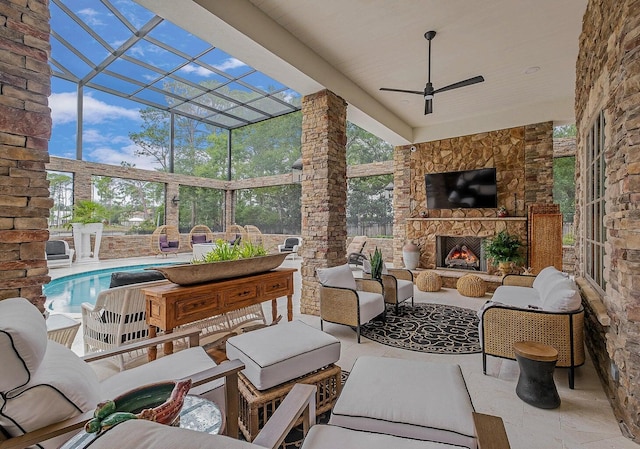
354	47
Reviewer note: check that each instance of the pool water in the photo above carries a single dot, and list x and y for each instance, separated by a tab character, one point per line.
66	294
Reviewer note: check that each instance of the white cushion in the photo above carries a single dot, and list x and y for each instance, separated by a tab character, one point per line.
405	289
515	296
408	398
544	284
62	387
339	276
180	364
563	297
138	433
276	354
23	342
331	437
371	305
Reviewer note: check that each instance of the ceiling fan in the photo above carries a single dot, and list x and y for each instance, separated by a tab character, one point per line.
429	91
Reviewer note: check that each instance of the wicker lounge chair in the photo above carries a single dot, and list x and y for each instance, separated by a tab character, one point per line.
165	240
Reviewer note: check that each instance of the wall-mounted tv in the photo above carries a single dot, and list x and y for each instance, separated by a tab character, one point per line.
462	189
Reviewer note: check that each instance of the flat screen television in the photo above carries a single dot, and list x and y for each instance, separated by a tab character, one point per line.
462	189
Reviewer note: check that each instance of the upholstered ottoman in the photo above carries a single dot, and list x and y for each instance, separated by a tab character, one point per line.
429	281
276	354
472	286
407	398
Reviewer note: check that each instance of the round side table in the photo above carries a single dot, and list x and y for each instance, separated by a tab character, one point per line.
537	362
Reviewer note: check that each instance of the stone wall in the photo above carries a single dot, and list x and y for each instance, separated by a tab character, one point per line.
609	80
523	158
25	127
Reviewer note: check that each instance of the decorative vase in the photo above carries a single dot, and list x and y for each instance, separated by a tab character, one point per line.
411	255
505	267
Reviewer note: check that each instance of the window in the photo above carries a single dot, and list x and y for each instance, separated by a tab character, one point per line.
594	186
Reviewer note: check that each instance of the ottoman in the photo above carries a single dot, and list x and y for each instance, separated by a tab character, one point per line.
429	281
407	398
471	285
276	354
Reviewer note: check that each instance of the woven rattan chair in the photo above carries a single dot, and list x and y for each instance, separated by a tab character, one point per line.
235	234
502	326
165	240
200	234
353	303
397	284
254	235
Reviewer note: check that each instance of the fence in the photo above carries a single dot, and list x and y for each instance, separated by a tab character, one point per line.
371	229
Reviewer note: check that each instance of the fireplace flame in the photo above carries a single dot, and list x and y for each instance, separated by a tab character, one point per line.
461	255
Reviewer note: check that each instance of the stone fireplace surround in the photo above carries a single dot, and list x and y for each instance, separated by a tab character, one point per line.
424	232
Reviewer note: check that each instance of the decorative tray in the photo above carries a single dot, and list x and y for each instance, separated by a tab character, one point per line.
197	273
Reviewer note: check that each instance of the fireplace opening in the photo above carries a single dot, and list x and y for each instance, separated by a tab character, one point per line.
463	253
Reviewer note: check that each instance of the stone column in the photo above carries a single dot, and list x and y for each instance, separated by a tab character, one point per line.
25	127
229	208
172	210
401	199
538	167
324	190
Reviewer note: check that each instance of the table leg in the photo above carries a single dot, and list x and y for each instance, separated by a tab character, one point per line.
168	346
289	307
274	310
152	351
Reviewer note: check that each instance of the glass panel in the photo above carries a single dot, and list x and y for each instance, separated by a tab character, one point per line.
114	83
369	208
201	206
61	191
153	55
180	39
238	92
133	207
63	106
68	59
274	210
226	63
134	71
263	82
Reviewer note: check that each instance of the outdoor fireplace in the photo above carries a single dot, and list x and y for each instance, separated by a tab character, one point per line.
464	253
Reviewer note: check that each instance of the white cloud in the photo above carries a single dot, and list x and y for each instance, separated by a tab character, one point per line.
90	16
198	70
230	63
63	110
114	156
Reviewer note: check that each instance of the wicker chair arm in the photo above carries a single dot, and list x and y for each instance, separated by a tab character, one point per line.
390	285
401	273
518	280
369	285
339	305
502	326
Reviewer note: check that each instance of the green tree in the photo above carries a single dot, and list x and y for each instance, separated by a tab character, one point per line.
565	131
364	148
564	186
59	186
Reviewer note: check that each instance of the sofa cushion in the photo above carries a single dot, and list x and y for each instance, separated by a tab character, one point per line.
330	437
23	342
544	281
139	433
562	297
407	398
55	248
515	296
276	354
199	238
405	289
181	364
340	276
63	386
120	278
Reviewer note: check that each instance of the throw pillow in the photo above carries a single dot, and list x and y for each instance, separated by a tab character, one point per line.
563	297
339	276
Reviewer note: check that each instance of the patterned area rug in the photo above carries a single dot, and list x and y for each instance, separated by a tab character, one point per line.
433	328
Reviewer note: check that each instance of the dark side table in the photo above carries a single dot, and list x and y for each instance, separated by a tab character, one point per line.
537	362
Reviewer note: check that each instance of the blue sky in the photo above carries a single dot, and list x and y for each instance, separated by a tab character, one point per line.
109	119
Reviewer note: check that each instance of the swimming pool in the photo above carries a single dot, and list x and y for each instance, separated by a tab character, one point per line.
67	293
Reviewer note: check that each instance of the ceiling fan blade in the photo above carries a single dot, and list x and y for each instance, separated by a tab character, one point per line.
418	92
428	106
469	82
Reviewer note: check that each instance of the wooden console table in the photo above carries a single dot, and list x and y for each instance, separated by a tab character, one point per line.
171	305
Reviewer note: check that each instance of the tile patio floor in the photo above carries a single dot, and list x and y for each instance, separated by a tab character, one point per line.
583	420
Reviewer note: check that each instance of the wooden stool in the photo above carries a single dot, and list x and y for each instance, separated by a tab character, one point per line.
535	384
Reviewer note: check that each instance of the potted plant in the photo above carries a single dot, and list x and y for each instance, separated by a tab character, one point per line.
503	250
87	218
376	264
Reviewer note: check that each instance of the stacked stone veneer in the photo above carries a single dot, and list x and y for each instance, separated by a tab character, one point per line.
324	191
608	79
25	127
523	158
